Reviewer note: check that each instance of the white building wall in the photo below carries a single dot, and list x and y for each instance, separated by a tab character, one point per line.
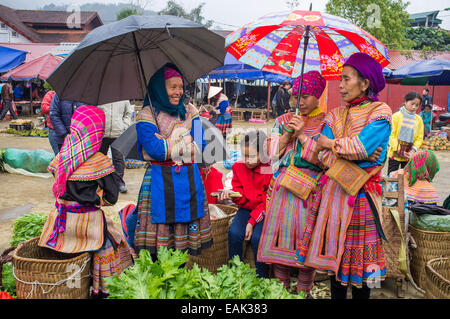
8	35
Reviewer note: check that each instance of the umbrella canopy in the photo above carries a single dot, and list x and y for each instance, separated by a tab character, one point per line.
276	43
433	72
37	68
10	58
115	61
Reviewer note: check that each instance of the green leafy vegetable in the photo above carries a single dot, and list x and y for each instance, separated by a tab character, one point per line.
27	227
165	278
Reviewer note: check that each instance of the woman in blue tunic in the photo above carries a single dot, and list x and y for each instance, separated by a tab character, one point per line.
223	109
172	205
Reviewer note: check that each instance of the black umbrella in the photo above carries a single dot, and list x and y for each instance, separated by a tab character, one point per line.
115	61
214	152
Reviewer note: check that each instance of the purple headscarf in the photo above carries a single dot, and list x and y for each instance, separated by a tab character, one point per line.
370	69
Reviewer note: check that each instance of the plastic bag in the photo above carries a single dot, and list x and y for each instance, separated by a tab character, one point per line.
439	223
215	212
31	161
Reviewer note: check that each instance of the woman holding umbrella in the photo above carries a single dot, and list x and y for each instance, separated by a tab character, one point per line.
172	205
343	235
286	212
223	109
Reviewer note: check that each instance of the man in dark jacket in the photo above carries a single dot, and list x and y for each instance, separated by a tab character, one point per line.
60	115
426	99
7	100
282	98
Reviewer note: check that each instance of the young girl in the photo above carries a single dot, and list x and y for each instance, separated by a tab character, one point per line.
407	132
251	180
426	116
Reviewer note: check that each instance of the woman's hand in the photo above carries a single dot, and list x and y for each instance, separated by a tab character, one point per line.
324	142
224	194
248	232
375	155
296	123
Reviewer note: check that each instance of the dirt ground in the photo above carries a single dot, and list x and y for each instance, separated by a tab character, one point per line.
22	194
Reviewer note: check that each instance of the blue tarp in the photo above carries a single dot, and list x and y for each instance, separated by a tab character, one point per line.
10	58
436	71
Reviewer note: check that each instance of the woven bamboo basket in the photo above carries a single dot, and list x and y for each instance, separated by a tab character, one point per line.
216	255
42	273
430	245
438	278
393	244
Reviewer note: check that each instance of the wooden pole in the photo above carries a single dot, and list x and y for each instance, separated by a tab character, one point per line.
268	99
209	87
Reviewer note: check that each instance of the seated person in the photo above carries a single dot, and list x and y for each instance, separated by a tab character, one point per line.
251	180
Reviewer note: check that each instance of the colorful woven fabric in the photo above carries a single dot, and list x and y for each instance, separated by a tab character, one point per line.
406	133
95	167
225	118
191	237
421	192
84	140
423	166
107	262
313	84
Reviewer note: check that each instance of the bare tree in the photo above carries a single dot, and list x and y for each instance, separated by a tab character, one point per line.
292	4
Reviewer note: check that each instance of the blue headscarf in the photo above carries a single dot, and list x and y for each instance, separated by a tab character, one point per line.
158	94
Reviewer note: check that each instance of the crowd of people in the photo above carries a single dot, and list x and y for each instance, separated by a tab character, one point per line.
299	199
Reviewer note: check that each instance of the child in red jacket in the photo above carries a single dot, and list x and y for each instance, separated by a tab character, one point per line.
251	179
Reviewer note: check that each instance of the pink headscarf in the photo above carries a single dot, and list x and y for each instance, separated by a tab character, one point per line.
313	84
85	138
170	73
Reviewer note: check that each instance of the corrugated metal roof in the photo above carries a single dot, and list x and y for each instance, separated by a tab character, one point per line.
398	58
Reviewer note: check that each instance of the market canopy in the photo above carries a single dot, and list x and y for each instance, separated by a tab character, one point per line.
10	58
40	68
433	72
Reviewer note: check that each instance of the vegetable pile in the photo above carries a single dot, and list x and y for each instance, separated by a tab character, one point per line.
166	278
25	227
33	132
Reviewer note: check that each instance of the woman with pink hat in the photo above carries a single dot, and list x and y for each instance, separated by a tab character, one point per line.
291	142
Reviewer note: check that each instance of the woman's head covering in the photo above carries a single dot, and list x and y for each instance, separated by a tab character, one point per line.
213	91
370	69
85	137
423	166
313	84
158	94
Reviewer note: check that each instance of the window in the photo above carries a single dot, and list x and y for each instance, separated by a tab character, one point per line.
3	26
14	34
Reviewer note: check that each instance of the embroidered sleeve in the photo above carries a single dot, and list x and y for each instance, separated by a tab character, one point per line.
157	148
372	136
393	139
310	151
418	134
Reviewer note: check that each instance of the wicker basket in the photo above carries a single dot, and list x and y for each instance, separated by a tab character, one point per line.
438	278
216	255
42	273
430	245
393	244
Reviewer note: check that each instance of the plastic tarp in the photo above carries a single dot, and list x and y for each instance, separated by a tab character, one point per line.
40	68
11	58
433	72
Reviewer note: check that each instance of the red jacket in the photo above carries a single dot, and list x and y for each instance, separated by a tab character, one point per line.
45	107
212	179
253	186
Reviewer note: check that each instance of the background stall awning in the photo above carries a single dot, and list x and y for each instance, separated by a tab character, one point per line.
10	58
40	68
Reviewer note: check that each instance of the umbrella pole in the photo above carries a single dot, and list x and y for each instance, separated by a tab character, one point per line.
141	66
268	99
305	47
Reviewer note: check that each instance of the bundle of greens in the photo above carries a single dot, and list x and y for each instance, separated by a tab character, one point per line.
25	227
2	160
166	279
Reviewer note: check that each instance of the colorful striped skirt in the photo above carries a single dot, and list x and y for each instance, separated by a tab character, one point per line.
224	122
283	224
191	237
360	257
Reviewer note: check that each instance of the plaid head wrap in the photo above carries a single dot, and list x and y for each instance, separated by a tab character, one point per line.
423	166
313	84
84	140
